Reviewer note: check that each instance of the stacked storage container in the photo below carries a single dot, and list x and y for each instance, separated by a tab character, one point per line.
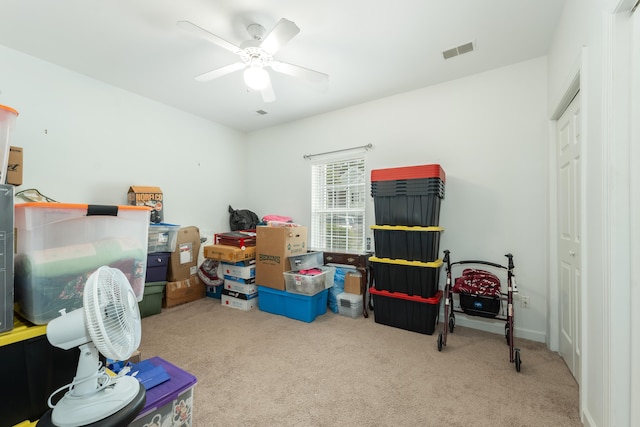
306	289
407	236
161	242
240	290
59	245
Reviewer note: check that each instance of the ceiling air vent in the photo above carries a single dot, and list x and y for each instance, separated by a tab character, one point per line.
261	112
458	50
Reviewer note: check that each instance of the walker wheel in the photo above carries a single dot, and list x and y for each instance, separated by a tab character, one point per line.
440	341
518	362
452	324
506	333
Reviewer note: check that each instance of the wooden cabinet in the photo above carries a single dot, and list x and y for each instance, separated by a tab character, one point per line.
361	262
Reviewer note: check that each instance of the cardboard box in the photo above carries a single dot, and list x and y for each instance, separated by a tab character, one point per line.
14	167
184	259
239	300
239	271
237	286
229	253
183	291
352	283
150	197
274	246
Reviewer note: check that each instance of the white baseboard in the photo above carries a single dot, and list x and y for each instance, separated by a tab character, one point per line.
497	327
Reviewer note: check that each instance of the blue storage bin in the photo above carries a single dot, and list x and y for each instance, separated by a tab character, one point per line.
214	291
295	306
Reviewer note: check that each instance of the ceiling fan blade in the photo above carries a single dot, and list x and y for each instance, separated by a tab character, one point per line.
280	35
202	33
267	93
219	72
300	72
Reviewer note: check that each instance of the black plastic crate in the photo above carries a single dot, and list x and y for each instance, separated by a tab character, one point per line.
479	305
408	243
407	210
412	187
406	312
406	277
31	370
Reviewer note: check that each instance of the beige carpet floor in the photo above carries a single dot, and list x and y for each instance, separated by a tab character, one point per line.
259	369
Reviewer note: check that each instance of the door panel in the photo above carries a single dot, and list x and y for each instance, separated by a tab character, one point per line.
569	238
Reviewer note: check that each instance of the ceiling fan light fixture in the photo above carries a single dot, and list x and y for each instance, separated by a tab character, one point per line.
256	77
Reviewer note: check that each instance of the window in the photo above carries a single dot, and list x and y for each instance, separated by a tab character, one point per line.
338	194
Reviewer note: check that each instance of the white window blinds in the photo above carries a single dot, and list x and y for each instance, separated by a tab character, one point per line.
338	194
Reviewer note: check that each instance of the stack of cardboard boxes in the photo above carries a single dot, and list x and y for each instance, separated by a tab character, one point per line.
237	259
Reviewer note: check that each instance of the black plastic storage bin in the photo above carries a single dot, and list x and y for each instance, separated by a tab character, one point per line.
479	305
408	243
408	195
407	210
407	277
31	370
407	312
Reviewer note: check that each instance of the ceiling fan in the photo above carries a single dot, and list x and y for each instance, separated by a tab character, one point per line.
256	56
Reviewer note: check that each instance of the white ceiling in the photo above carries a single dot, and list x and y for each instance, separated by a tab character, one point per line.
370	49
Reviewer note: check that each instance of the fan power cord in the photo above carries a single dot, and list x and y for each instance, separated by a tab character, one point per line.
104	380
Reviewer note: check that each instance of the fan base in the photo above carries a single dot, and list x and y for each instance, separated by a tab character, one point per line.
76	411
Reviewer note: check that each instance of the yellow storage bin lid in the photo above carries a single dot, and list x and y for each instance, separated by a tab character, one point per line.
22	330
435	264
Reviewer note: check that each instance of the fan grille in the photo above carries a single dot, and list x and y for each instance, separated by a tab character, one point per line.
112	313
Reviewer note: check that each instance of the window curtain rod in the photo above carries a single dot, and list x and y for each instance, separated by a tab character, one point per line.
362	147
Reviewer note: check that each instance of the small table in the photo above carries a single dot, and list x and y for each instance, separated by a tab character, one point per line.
360	260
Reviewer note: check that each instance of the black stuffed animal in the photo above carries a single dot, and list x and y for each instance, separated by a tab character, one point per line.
242	219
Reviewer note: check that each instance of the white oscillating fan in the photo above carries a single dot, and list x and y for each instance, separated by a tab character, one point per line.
109	323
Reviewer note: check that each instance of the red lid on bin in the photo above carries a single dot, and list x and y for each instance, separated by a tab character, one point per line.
408	172
415	298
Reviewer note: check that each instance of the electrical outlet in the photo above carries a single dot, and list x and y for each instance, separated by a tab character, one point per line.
524	302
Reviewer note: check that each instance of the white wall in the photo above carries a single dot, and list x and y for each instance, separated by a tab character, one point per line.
87	142
488	132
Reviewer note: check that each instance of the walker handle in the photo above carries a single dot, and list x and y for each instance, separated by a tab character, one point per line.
510	257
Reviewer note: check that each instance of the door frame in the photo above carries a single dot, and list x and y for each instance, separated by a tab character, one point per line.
574	84
572	87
